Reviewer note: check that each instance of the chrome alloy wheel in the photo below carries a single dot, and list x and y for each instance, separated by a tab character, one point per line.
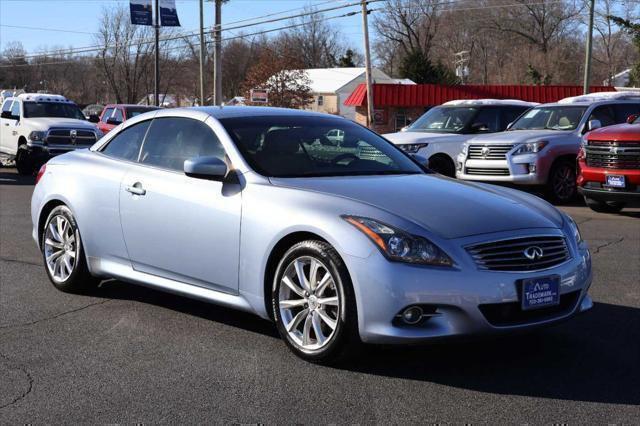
309	303
564	182
60	248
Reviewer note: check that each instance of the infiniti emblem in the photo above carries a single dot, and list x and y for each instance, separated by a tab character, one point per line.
533	253
485	151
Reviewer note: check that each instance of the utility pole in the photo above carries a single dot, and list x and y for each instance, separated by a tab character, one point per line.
217	56
367	60
156	71
202	46
587	60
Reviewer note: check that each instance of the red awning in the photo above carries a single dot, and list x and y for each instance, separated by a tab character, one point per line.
423	95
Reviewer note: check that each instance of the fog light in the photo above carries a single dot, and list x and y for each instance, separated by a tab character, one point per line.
459	166
532	168
412	315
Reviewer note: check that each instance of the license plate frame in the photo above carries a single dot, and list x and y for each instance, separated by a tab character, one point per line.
616	181
548	288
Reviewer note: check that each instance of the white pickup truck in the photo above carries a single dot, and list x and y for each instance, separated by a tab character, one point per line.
35	127
440	133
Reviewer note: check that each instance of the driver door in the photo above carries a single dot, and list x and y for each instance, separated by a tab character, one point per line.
9	131
178	227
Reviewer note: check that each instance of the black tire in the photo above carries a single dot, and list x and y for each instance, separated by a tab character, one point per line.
603	206
24	161
562	187
442	165
80	279
345	340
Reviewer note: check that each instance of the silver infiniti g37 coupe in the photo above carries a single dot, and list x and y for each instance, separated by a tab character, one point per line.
309	220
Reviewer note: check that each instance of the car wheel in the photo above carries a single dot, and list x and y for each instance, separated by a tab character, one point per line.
63	253
602	206
313	303
562	185
442	165
24	162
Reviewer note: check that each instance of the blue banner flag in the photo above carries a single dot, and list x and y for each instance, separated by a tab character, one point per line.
141	12
169	14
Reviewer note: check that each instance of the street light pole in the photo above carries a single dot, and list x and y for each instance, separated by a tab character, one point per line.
156	71
367	60
587	61
217	56
202	46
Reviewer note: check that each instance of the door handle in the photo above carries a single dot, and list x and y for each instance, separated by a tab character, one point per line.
136	189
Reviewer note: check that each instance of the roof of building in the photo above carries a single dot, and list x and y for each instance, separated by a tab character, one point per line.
422	95
329	80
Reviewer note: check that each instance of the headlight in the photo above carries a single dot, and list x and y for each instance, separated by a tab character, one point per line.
412	148
530	147
398	245
36	136
574	230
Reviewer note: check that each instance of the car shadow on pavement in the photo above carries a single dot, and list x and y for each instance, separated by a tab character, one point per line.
16	179
593	357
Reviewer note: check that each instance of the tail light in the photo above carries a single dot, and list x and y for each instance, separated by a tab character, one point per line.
41	173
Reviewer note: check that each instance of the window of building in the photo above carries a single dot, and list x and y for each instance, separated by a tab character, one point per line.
320	100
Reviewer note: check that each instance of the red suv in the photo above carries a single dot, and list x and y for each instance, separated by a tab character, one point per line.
609	167
114	114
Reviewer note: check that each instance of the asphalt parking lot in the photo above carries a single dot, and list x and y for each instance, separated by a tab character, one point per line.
130	354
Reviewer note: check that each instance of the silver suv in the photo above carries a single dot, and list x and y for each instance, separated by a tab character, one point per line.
541	146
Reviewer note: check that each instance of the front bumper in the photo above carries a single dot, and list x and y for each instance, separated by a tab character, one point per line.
592	184
467	301
44	152
528	169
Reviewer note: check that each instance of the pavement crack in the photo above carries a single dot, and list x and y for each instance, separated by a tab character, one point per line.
610	243
61	314
25	262
27	375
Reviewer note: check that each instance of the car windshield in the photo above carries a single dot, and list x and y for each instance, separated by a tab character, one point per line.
51	109
133	111
550	118
294	146
444	119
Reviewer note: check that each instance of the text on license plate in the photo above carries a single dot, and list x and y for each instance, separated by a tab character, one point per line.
616	181
540	292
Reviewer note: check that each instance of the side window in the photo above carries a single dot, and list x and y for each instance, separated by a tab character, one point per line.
126	144
602	113
510	114
6	107
15	109
106	114
488	116
173	140
117	115
623	111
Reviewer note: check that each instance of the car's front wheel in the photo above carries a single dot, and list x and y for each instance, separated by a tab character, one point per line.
63	252
313	303
562	186
24	161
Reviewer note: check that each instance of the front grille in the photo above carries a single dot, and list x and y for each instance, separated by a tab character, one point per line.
509	255
509	314
485	171
489	152
64	137
613	155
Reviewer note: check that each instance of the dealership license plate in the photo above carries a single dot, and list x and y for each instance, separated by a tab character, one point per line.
615	181
540	292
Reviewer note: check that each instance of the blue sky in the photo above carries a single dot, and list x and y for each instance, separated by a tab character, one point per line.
82	16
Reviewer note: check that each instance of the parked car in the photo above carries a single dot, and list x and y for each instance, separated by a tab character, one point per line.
439	134
541	147
37	126
243	207
115	114
609	167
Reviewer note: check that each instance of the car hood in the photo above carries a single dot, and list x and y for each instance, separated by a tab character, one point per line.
520	136
401	138
446	207
620	132
45	123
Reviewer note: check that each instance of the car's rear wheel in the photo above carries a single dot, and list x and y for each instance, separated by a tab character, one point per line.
24	163
313	303
63	252
603	206
562	185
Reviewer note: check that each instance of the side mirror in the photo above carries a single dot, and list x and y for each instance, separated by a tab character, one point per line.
114	121
211	168
632	118
593	124
94	118
479	127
